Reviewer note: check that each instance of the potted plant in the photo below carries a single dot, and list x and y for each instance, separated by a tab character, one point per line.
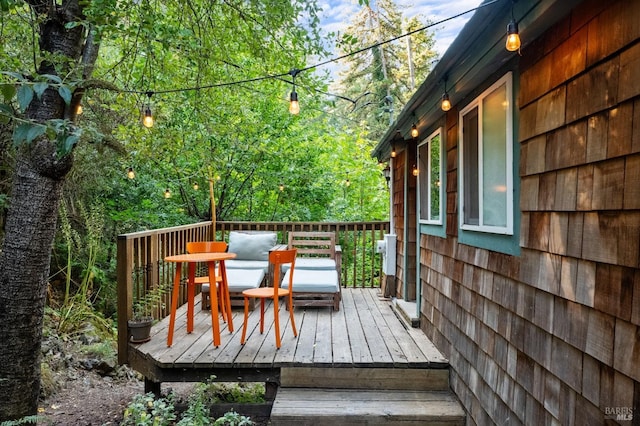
142	320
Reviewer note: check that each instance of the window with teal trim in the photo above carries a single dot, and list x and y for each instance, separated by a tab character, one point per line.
486	161
430	179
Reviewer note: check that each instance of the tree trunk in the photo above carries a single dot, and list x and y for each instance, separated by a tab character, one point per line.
31	223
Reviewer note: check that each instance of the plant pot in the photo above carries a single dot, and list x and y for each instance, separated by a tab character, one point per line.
140	330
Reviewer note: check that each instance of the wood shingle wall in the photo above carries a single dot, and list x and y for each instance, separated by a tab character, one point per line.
552	336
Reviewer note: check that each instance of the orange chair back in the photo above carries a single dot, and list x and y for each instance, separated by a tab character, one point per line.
207	247
279	257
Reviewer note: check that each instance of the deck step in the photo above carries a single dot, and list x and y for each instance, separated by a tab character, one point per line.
428	379
315	406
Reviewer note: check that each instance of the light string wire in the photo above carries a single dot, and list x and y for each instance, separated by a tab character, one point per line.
281	76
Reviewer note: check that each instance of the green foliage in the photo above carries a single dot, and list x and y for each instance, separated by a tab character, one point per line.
233	419
28	420
147	410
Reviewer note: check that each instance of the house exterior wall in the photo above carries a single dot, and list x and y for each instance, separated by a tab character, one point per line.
405	222
551	336
399	206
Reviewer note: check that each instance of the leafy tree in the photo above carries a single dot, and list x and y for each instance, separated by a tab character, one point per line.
152	47
378	80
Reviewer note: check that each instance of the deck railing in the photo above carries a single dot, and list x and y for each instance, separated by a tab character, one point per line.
141	267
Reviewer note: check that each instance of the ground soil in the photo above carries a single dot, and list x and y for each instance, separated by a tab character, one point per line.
90	400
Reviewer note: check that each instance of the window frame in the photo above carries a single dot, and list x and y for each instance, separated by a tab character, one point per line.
477	103
424	177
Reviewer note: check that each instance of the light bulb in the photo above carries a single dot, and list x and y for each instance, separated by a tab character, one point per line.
294	106
393	152
281	187
167	193
79	110
414	131
147	120
446	103
196	186
513	37
131	174
415	170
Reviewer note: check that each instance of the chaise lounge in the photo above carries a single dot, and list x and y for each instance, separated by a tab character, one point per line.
316	280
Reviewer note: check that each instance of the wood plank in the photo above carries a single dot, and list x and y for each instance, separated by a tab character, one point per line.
366	378
266	354
412	352
322	354
366	407
396	352
340	338
225	355
307	338
183	341
357	341
255	340
379	353
286	354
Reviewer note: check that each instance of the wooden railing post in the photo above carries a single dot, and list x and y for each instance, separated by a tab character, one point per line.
124	272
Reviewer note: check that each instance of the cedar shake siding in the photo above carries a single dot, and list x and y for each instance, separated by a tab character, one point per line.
548	333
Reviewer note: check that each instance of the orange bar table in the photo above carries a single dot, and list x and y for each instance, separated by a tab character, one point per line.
191	260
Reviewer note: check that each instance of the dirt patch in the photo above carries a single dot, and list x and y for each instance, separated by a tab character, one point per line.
90	400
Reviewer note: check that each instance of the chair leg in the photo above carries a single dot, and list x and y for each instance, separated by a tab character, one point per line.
276	321
293	322
246	317
261	315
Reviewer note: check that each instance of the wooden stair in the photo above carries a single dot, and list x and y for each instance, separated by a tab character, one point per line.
365	396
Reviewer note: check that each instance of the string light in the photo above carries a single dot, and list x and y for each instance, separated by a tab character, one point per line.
294	106
147	119
281	187
167	193
513	35
393	151
294	95
131	174
79	110
415	170
196	186
446	103
414	128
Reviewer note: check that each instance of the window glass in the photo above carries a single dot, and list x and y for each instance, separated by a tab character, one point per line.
486	157
430	179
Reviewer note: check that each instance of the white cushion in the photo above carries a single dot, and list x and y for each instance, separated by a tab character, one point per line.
247	264
312	281
241	279
252	246
316	263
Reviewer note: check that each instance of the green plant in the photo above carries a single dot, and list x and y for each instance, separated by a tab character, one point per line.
233	419
144	306
28	420
197	413
146	410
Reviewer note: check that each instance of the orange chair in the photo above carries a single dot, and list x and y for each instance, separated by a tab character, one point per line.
209	247
276	258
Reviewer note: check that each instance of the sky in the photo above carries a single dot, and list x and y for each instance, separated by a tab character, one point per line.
336	15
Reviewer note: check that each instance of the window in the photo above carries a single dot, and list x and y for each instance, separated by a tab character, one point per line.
486	160
430	179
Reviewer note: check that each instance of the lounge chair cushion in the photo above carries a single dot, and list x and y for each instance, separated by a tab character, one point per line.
246	264
241	279
312	281
252	246
315	263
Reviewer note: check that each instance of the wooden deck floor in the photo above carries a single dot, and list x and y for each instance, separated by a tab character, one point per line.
364	333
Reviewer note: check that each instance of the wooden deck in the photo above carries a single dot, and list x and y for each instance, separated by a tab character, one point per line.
365	332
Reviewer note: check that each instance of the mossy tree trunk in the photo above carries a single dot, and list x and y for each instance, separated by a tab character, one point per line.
32	216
